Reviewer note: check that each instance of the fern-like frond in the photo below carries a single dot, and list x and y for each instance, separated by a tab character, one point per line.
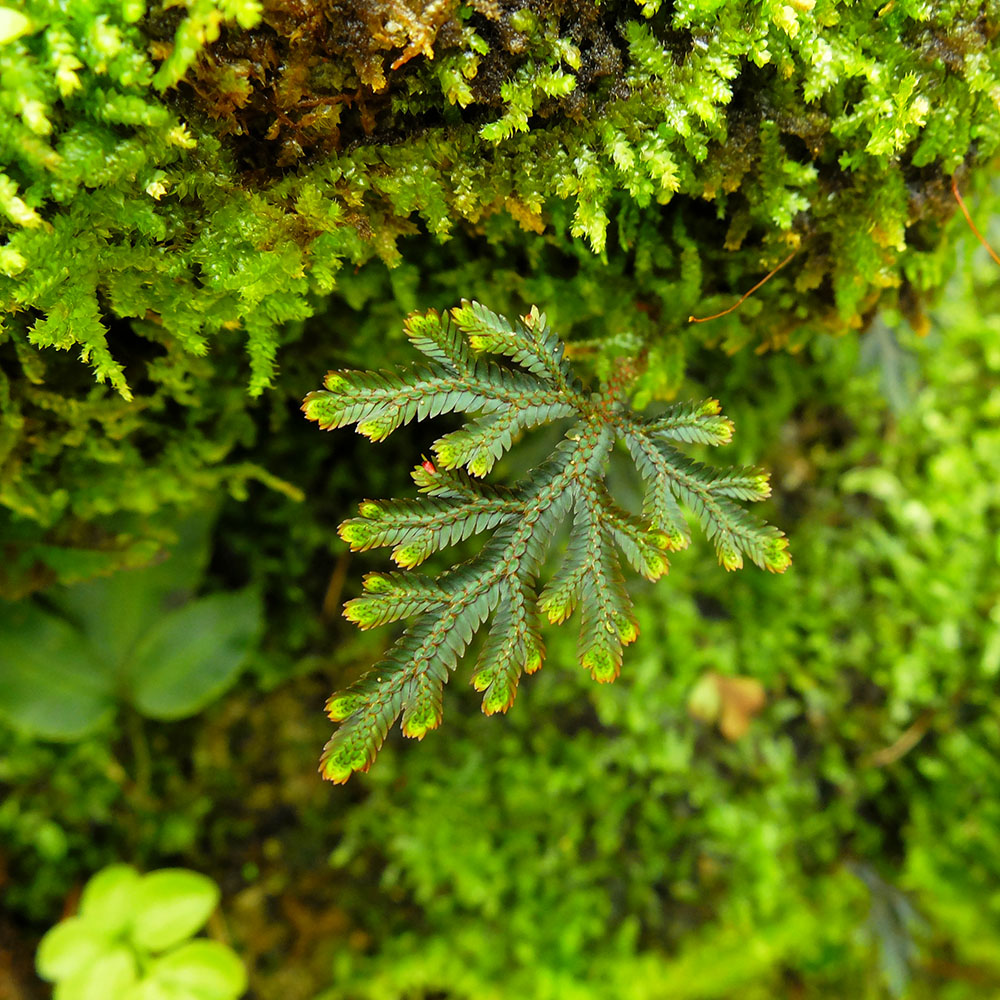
483	441
500	585
693	423
529	341
381	402
439	339
419	527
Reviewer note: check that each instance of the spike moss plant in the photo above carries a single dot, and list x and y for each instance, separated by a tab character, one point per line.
464	374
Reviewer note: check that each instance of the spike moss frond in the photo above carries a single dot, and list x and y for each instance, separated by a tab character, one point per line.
501	583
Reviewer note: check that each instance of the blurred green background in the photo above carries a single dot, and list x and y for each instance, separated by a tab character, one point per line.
790	792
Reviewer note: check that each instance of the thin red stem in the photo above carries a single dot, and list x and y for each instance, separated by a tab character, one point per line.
745	295
968	219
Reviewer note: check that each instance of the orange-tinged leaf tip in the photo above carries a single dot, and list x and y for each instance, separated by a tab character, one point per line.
422	324
721	428
417	725
362	611
335	382
409	556
320	407
730	559
603	663
675	541
335	773
656	564
356	533
337	765
533	661
777	558
628	630
556	611
661	540
342	706
498	698
483	679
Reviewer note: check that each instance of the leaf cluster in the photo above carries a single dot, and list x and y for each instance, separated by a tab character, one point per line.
138	637
129	940
510	377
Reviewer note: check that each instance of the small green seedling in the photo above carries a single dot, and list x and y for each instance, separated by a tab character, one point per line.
138	637
132	939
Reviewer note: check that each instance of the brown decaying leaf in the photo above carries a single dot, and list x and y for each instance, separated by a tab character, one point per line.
729	702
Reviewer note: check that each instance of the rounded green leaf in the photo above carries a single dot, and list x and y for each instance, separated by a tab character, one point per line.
108	977
107	901
139	597
171	905
192	655
201	970
69	948
53	687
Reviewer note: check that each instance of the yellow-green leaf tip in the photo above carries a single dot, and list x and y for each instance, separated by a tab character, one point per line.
602	663
375	429
418	723
340	765
533	661
499	697
730	559
342	706
777	558
356	533
409	556
376	583
364	612
336	382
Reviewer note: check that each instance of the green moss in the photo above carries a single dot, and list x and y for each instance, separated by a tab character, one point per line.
184	187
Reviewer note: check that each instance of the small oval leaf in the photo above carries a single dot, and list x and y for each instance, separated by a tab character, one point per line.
69	948
107	901
193	654
171	905
112	975
53	687
201	970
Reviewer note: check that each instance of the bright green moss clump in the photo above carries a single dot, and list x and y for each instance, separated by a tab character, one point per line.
180	188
